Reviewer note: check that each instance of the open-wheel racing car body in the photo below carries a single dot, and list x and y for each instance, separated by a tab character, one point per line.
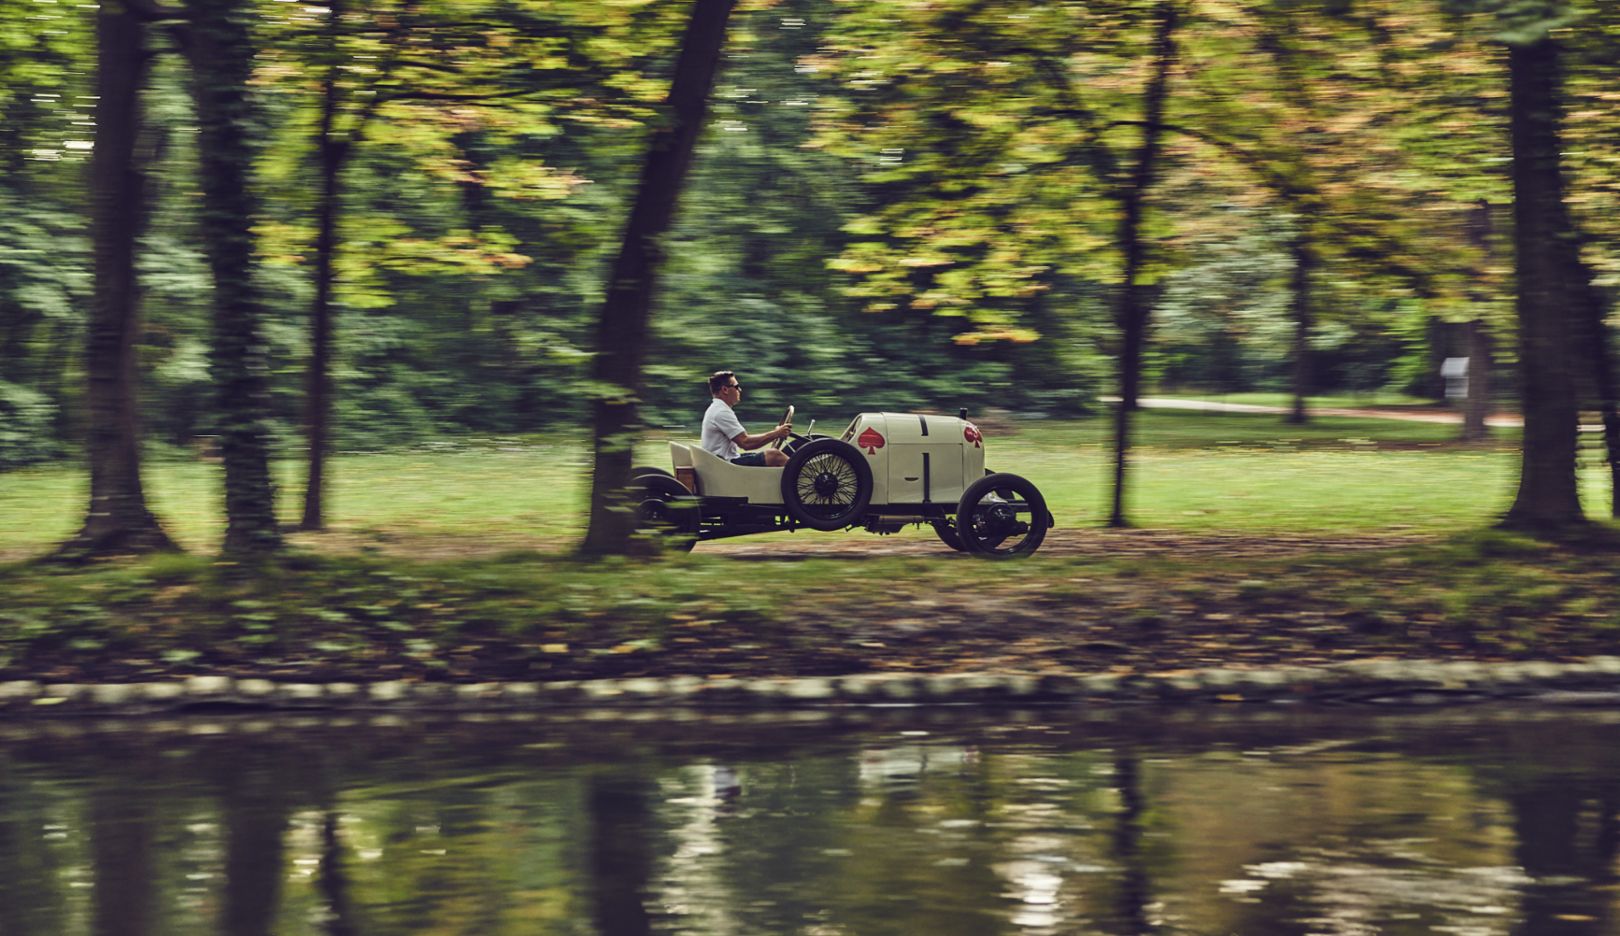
886	470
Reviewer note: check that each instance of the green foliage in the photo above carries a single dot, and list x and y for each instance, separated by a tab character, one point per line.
25	427
895	205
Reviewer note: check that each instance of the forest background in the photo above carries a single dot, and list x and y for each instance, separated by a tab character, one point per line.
891	206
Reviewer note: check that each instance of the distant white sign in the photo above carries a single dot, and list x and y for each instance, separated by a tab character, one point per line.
1455	371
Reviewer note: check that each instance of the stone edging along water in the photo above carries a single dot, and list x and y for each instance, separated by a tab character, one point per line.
1593	681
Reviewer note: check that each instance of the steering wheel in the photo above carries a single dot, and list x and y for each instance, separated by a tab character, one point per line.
787	417
794	440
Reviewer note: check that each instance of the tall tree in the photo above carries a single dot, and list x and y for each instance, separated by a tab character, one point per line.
331	153
1593	187
1346	115
621	334
1024	172
1133	309
1596	337
442	73
1477	409
118	518
220	48
1548	498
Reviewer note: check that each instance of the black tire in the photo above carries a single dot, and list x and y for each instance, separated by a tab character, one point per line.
947	535
640	470
666	511
827	484
1001	516
796	441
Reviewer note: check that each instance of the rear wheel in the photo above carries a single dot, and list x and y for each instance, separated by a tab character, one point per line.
666	511
947	535
826	484
1001	516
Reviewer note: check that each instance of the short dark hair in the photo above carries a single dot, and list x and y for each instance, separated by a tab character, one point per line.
719	379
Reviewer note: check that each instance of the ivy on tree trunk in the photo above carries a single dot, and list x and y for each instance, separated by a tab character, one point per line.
221	51
118	519
621	334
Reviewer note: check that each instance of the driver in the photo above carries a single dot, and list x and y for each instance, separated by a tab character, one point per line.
723	433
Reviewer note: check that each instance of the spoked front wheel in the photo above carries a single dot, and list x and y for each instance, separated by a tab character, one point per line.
826	484
1001	516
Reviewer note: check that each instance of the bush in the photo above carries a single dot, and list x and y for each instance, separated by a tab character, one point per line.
27	433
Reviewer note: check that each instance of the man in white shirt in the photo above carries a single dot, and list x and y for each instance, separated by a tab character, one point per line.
724	435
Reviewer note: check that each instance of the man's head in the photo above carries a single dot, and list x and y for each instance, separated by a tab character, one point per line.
724	386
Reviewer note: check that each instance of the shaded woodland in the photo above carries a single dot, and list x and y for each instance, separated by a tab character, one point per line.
265	230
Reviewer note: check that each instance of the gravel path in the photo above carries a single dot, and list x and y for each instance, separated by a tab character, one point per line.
1083	541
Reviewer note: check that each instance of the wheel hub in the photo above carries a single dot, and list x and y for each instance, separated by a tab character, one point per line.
826	484
1000	517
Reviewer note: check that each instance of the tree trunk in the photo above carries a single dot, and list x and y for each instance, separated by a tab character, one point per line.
1300	305
221	52
118	519
1432	384
332	154
1610	408
1478	407
1547	498
621	336
1477	410
1594	335
1133	296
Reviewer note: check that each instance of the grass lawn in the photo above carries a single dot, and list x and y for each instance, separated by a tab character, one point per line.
1192	471
1260	543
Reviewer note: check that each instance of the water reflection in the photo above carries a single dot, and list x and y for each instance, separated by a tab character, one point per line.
120	822
1012	823
255	798
620	819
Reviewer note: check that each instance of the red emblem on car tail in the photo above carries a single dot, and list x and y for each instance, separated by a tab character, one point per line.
970	432
871	440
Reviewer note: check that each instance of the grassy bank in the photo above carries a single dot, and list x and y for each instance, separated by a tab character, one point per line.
1262	543
1189	601
1193	471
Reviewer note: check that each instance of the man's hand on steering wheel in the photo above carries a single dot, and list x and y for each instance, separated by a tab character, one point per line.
784	429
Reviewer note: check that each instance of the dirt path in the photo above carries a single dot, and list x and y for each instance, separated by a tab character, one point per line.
1504	420
1080	542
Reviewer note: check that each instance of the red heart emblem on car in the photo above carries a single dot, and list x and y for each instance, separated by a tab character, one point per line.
970	432
871	440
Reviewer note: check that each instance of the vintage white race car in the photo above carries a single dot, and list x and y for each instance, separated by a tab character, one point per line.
884	471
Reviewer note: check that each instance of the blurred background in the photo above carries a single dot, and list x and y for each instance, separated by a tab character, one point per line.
893	206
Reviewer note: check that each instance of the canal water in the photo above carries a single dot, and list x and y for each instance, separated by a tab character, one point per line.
941	821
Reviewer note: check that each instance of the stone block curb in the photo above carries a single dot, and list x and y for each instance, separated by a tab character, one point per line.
1594	681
